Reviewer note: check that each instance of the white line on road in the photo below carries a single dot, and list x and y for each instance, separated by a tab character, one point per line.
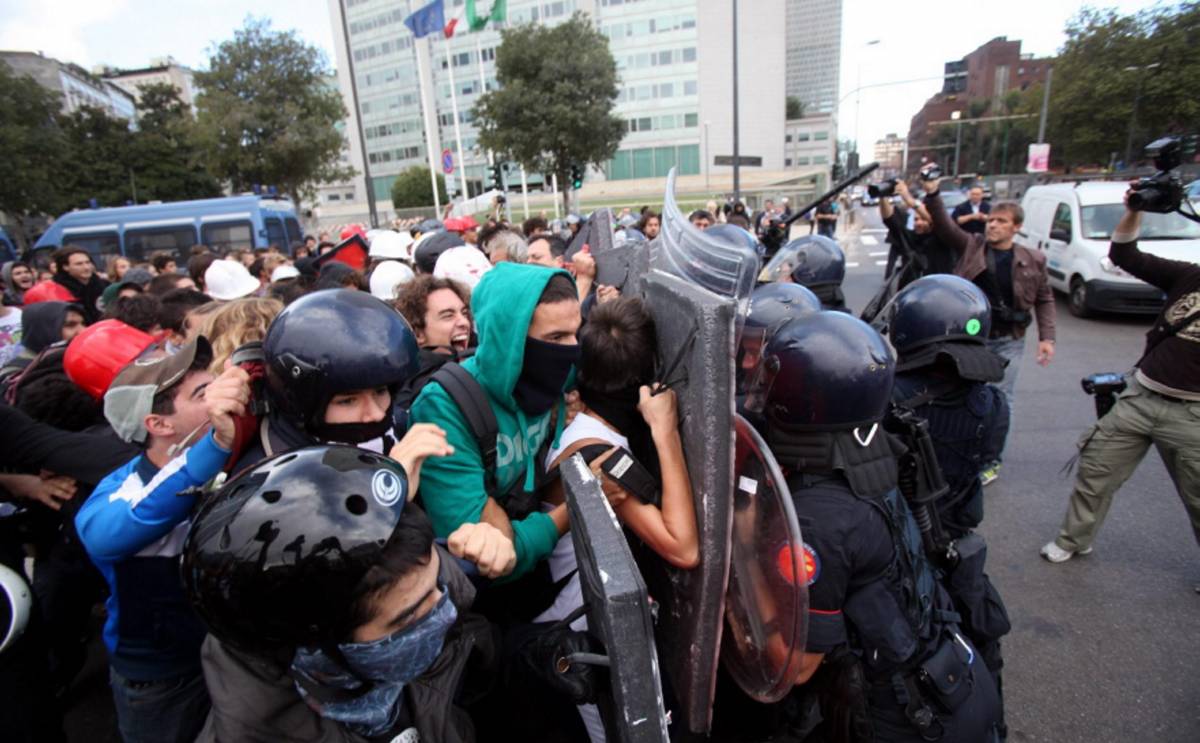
851	265
868	240
877	253
881	263
875	229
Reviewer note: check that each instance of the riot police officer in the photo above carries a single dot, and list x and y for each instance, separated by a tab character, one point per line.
884	652
820	266
938	326
771	305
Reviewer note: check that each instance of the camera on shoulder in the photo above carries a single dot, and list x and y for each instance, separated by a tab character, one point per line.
1161	193
883	189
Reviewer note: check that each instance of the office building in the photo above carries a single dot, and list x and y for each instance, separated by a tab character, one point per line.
674	58
77	86
811	140
814	53
889	153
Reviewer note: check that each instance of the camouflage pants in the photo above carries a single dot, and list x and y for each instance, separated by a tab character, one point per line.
1111	450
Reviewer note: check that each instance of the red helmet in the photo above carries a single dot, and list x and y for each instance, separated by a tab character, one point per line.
100	352
48	291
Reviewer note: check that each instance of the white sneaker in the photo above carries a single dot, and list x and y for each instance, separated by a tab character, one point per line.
1054	553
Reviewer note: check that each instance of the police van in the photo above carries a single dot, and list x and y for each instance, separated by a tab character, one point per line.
137	232
1072	225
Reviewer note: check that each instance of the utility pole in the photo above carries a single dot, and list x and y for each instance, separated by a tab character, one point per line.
957	116
362	139
1045	106
737	175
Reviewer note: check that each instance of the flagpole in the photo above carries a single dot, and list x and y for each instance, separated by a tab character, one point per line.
482	83
554	185
429	119
524	192
462	164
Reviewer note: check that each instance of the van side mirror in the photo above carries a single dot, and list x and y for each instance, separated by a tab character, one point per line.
1060	235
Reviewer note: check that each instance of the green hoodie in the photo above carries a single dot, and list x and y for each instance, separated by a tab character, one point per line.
452	488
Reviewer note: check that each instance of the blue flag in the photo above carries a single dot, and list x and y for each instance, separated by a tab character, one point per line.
427	20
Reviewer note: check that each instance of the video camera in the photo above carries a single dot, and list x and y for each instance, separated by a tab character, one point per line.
1161	193
931	172
883	189
1104	387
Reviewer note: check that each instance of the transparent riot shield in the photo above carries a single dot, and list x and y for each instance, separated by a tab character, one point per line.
766	608
695	330
779	268
683	250
618	612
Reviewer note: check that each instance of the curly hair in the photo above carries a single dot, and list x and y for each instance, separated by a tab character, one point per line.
413	298
235	323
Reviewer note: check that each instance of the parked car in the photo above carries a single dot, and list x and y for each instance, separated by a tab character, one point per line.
1073	223
137	232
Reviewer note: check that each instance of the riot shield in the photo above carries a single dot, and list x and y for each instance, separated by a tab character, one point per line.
623	266
683	250
779	268
696	329
597	234
766	607
618	611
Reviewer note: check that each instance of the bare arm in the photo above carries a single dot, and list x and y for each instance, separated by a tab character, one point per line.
944	228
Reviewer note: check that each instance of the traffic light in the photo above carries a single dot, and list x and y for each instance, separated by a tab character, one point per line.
576	177
497	178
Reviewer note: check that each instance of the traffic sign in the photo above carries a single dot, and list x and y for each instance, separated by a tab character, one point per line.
447	161
742	160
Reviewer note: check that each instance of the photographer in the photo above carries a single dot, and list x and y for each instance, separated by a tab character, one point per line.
932	255
1160	405
1012	276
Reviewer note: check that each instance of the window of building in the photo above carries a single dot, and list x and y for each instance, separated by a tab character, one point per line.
820	159
802	136
820	136
691	121
802	161
787	138
689	87
787	162
689	54
349	196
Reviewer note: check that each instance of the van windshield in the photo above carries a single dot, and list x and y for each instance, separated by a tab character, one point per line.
1099	221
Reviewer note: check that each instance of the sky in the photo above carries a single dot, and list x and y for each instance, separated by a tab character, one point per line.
915	39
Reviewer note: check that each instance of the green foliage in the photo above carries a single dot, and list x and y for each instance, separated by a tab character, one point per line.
411	189
1093	94
554	106
99	151
31	147
265	115
795	108
167	158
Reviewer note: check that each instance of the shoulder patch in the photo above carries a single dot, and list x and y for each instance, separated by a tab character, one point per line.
811	563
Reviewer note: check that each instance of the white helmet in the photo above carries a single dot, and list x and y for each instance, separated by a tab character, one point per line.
15	604
389	244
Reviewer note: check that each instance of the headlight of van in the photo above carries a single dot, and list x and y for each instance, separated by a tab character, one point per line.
1111	267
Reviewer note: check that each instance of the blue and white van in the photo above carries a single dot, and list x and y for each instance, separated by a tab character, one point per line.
137	232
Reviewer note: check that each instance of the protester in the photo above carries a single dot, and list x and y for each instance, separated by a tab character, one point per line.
75	272
387	277
225	280
464	264
701	219
140	311
178	316
198	265
649	225
116	267
10	333
506	245
235	323
547	250
164	263
18	278
166	282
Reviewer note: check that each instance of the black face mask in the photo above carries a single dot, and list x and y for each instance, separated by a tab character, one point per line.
543	375
620	410
355	433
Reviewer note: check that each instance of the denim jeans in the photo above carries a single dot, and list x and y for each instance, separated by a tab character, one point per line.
167	711
1012	349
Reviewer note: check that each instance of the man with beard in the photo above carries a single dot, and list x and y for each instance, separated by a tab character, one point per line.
75	272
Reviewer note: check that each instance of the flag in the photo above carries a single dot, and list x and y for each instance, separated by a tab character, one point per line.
452	24
427	20
497	14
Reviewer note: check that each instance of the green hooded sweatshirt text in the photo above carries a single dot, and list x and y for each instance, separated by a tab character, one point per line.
452	488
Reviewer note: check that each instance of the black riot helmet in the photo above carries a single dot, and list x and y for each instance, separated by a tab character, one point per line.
823	371
275	558
431	248
332	342
944	315
771	305
819	261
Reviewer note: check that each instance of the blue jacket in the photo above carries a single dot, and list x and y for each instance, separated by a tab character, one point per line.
133	527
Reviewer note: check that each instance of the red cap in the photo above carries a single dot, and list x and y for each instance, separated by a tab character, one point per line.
353	229
469	223
48	291
454	224
100	352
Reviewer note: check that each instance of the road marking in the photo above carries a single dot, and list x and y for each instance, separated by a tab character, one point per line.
881	263
868	240
851	265
875	229
877	253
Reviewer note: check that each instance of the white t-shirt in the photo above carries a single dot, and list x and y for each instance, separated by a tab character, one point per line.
10	335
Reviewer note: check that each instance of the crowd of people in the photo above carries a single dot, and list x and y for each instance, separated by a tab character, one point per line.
316	490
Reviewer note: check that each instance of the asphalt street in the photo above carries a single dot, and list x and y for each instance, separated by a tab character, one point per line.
1104	647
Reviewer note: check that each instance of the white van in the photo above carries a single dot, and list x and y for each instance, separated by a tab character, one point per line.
1072	224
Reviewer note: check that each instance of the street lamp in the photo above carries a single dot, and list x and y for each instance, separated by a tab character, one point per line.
1137	97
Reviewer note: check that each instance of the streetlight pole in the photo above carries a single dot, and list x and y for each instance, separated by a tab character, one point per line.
1137	97
1045	106
957	116
372	214
737	175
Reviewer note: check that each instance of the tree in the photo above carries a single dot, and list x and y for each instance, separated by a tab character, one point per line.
795	108
411	188
31	148
166	154
267	117
554	106
99	163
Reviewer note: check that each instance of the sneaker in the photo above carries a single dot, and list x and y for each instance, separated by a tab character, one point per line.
989	474
1054	553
